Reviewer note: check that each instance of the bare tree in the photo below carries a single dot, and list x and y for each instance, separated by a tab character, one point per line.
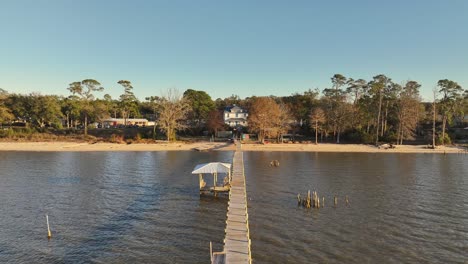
173	109
407	110
317	116
264	114
215	121
284	121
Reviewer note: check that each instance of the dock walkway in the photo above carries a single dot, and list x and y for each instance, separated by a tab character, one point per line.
237	239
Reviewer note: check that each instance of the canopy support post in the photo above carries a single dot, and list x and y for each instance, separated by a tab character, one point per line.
200	179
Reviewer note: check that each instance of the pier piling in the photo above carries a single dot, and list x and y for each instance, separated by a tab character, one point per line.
49	234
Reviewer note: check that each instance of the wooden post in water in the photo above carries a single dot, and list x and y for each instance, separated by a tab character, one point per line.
211	252
335	200
347	201
49	234
323	201
215	183
313	199
314	195
318	201
298	199
200	182
308	199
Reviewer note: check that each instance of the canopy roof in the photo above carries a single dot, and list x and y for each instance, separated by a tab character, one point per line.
212	167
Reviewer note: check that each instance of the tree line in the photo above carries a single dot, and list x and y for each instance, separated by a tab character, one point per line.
353	110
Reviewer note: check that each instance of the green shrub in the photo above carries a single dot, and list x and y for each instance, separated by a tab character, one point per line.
390	137
7	133
57	125
359	136
443	141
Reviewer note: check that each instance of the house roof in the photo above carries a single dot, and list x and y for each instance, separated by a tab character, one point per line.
212	167
234	108
128	120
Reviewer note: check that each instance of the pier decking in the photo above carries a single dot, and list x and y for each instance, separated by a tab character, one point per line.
237	238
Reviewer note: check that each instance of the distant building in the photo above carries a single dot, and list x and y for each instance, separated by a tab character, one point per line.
113	122
465	120
461	121
235	116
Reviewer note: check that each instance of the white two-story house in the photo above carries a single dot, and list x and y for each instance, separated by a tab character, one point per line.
235	116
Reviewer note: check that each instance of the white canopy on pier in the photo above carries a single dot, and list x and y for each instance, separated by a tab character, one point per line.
212	167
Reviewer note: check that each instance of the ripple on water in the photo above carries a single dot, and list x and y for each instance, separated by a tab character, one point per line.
140	207
397	215
145	208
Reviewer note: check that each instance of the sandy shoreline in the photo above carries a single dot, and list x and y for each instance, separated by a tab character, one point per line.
220	146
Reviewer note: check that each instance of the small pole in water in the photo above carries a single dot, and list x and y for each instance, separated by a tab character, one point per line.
335	200
313	199
49	234
347	201
323	201
298	198
318	201
211	252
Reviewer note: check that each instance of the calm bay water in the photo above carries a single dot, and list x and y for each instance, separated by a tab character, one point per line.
107	207
404	208
144	207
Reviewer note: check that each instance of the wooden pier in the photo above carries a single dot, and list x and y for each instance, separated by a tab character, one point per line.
237	238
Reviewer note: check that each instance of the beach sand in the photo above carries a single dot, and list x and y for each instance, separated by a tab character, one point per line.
351	148
221	146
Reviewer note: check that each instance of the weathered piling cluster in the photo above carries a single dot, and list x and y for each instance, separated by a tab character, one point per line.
313	200
274	163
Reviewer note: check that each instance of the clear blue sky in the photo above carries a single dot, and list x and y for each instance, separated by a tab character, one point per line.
229	47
